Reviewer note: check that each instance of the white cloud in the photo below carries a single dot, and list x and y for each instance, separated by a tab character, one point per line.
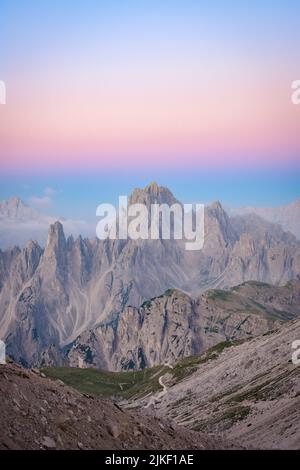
49	192
15	232
41	202
45	200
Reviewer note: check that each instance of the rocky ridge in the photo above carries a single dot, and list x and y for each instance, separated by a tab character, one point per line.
288	216
174	326
50	297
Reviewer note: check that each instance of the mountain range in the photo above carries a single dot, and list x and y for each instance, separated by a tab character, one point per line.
20	223
123	304
288	216
174	326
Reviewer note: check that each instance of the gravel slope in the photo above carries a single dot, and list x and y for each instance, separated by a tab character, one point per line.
38	413
250	393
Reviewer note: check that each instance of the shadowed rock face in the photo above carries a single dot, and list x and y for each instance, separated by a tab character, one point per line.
174	325
50	297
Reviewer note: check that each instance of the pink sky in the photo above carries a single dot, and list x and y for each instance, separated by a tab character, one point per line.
79	122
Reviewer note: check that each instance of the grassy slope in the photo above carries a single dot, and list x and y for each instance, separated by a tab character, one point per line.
234	302
130	384
103	383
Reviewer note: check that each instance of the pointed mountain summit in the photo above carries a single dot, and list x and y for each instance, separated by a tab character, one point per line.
152	194
31	257
56	237
218	223
56	248
15	208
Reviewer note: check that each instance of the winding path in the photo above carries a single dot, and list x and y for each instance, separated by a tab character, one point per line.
154	399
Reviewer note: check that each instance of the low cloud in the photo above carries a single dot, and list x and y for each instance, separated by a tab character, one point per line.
15	232
49	191
44	201
40	202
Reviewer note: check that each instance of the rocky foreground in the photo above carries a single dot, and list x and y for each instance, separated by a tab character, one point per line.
39	413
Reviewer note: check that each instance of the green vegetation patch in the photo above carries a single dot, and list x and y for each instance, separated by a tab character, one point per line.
131	384
102	383
268	390
146	304
251	284
218	294
169	292
188	365
223	420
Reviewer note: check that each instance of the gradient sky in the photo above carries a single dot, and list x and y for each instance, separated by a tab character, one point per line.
152	89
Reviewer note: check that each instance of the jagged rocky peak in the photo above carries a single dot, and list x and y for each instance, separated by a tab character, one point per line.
33	246
216	206
15	208
216	210
151	194
82	247
14	201
32	254
217	221
56	244
288	216
79	242
70	241
10	252
56	234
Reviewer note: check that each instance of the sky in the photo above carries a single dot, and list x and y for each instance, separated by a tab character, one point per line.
103	96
